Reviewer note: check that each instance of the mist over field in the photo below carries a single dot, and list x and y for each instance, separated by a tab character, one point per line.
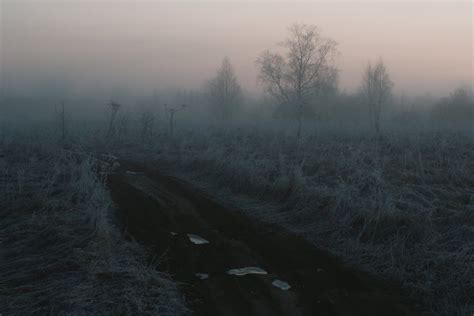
236	157
146	45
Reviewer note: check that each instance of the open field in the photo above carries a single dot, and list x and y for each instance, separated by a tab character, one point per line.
236	158
400	206
162	211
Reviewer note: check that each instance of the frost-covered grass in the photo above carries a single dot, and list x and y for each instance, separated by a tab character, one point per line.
60	251
400	206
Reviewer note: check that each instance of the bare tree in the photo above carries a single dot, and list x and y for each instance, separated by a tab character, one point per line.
114	108
377	89
307	67
172	111
459	105
224	91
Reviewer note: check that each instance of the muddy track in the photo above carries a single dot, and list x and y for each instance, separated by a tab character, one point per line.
160	211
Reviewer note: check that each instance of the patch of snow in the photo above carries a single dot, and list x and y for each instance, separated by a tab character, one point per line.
133	172
202	276
174	234
281	285
197	240
246	270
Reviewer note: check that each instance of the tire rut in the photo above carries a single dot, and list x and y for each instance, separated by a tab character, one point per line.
160	211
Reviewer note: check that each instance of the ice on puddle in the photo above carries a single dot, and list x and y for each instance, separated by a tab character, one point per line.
197	240
202	276
246	270
281	285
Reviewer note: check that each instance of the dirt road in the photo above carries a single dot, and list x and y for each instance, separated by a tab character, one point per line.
161	212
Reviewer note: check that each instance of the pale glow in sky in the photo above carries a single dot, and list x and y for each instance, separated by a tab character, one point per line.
426	45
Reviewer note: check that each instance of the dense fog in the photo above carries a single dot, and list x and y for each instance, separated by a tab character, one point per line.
88	52
236	157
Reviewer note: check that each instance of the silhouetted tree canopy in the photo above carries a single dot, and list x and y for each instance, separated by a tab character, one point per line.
304	72
224	91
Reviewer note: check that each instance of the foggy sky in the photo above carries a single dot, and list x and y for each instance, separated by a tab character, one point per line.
144	45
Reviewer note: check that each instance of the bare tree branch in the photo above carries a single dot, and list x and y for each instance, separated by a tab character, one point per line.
307	67
224	91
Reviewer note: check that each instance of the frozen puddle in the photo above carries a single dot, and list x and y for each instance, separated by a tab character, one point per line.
202	276
197	240
281	285
246	270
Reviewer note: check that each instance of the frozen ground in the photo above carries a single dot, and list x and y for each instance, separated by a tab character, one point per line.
400	206
60	251
240	267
